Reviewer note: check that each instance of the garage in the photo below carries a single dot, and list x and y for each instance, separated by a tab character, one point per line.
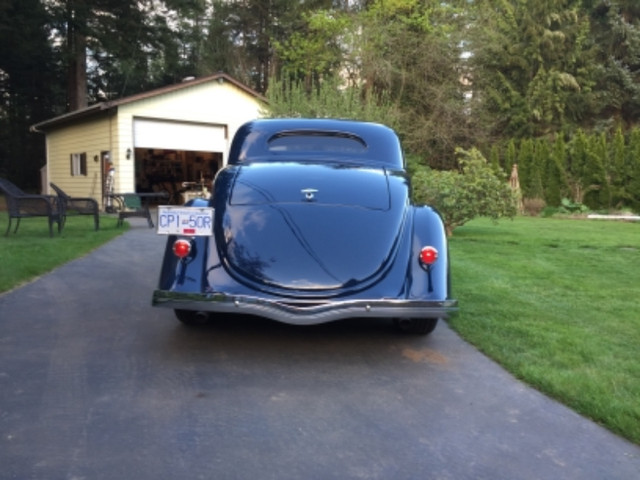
173	139
180	158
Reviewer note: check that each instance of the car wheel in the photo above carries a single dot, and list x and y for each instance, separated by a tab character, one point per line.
192	318
421	326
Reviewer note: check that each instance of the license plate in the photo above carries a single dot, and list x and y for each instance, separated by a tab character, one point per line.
193	221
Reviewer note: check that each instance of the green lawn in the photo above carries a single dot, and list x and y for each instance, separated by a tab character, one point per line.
31	251
557	303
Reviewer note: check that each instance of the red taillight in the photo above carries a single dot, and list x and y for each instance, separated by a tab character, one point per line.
428	255
182	248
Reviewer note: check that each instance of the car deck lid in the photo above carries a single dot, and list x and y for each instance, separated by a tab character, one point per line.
323	184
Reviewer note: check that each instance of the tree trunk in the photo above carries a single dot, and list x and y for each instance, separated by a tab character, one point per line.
77	50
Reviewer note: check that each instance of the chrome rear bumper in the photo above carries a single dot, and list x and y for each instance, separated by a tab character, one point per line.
304	312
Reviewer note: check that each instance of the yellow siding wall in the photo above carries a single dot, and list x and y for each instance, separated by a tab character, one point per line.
90	137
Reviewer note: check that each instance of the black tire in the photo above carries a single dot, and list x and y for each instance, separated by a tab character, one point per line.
192	318
419	326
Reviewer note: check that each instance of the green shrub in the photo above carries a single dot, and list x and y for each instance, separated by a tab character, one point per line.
569	206
476	191
548	212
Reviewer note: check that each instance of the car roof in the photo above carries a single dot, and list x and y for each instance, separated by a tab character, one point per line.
381	144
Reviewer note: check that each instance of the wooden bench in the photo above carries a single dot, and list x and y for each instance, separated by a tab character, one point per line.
77	206
22	205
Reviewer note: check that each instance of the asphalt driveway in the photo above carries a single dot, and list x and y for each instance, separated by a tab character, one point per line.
96	384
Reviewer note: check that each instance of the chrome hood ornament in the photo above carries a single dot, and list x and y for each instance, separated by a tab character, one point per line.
309	194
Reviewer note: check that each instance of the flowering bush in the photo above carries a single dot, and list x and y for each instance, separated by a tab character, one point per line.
474	191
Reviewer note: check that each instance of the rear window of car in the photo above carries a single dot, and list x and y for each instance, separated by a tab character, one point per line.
316	142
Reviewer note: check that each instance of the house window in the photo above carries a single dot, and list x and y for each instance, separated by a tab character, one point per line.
78	164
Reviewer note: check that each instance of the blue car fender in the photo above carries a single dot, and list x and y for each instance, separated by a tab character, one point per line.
429	282
187	274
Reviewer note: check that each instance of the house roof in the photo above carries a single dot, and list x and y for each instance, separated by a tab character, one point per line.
104	107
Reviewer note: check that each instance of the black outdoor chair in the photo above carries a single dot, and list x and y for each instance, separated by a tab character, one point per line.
129	205
77	206
22	205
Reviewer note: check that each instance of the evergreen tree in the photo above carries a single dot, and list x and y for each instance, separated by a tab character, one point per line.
28	93
533	67
527	170
542	153
633	187
107	46
411	51
594	182
579	157
494	159
616	31
328	99
554	174
218	50
253	30
618	170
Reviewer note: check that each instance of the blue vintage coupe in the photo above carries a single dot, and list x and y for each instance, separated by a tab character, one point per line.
311	221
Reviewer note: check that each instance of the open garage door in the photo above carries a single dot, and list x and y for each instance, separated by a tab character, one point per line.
180	158
172	135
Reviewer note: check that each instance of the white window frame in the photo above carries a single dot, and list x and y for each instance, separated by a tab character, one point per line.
78	164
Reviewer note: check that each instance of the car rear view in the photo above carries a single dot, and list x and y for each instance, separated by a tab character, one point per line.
311	221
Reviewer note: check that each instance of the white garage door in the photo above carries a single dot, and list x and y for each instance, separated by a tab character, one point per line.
170	135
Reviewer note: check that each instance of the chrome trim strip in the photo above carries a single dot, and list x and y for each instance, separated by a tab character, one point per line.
301	314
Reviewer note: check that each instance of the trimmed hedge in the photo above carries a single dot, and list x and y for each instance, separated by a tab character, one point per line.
599	170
